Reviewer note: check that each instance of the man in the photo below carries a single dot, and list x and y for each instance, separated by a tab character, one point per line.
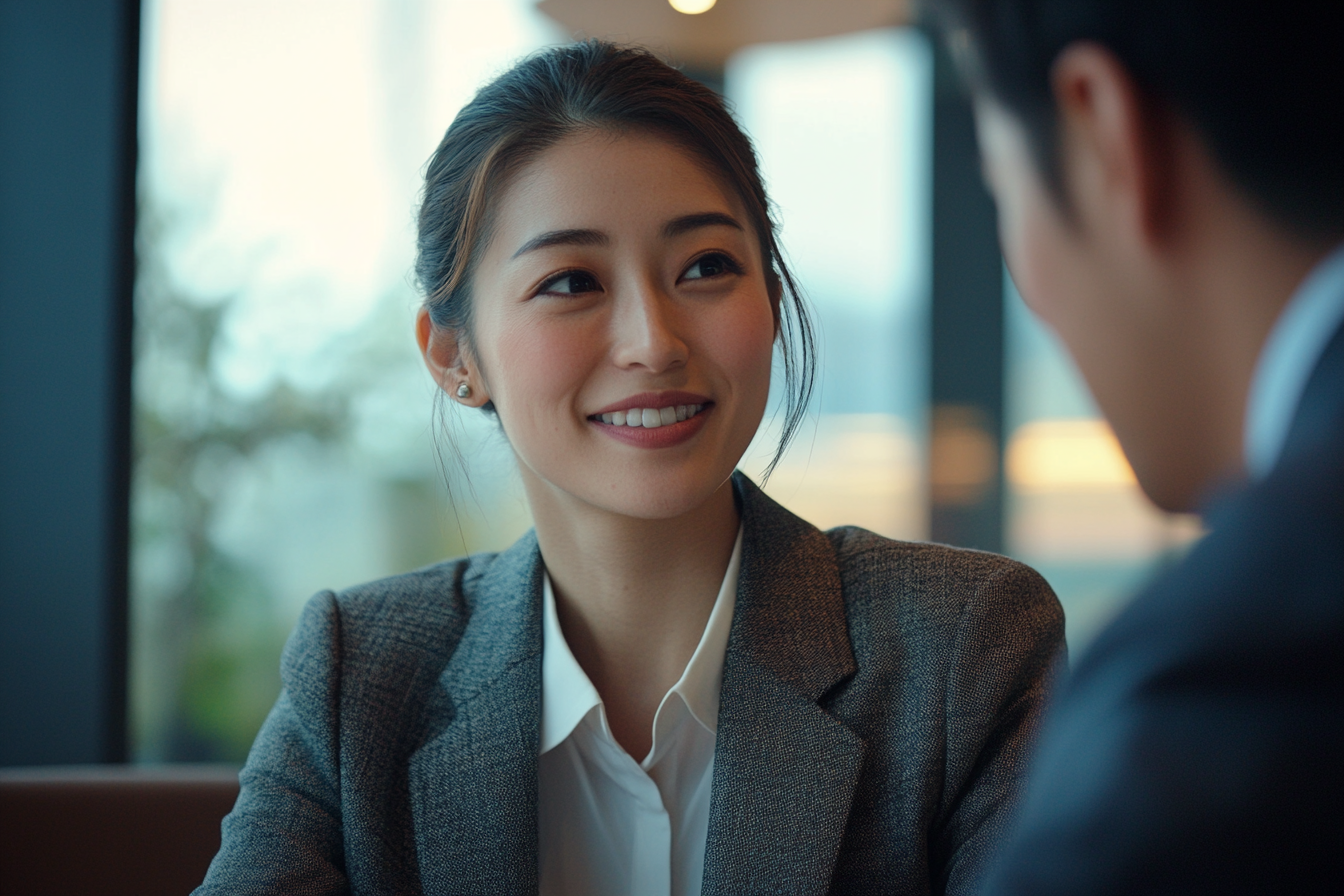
1170	187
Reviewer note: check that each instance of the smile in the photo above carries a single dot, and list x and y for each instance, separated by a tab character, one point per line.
650	418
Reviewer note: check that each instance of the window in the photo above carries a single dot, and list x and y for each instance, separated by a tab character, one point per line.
284	436
842	128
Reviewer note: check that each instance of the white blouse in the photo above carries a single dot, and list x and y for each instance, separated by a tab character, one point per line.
608	824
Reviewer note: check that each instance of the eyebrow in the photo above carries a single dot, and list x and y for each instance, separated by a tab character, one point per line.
582	237
563	238
687	223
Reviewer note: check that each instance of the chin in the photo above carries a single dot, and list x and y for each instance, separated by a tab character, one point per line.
1169	489
635	491
672	498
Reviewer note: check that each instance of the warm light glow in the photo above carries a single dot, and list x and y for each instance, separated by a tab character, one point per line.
961	456
850	470
692	7
1075	501
1067	454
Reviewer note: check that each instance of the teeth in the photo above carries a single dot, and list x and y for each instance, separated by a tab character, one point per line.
652	418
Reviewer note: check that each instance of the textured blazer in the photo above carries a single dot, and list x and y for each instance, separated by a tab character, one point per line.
878	698
1198	747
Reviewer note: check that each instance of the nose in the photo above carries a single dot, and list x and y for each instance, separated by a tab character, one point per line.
646	332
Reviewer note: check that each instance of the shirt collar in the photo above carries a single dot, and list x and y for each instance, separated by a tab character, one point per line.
567	695
1295	344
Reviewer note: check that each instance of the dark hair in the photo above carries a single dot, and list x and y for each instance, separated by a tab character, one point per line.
544	99
1262	82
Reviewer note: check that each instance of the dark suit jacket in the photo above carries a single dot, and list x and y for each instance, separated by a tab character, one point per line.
1198	746
878	698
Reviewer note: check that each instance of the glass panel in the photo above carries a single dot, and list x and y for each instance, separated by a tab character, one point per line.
284	439
1075	511
842	126
282	412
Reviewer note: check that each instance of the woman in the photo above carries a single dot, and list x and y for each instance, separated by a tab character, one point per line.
672	684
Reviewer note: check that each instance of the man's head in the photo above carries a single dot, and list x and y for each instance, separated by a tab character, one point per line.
1166	173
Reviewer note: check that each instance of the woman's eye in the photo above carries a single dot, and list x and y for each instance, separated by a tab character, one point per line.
711	265
570	283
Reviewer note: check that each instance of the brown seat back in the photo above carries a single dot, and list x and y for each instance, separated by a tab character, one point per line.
110	830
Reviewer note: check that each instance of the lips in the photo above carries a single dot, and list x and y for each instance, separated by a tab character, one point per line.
654	419
655	400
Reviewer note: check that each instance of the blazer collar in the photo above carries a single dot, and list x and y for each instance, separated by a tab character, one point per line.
473	782
784	769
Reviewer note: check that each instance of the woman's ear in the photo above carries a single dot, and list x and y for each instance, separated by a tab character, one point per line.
449	362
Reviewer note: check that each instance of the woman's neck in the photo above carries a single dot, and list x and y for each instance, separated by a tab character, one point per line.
633	597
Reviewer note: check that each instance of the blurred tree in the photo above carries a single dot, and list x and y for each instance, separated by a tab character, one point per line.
206	661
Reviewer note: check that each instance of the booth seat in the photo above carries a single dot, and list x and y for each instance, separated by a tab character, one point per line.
108	830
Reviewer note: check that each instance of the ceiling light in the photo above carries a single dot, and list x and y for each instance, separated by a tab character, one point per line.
692	7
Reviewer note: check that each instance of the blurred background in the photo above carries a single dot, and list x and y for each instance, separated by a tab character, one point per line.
280	430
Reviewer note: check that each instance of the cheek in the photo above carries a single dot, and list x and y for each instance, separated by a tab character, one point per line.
743	342
1035	248
530	365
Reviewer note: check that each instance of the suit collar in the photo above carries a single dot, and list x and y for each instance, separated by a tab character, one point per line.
1291	355
784	769
1320	414
1317	431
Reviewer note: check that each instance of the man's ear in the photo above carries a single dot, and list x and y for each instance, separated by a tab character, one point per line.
449	362
1114	140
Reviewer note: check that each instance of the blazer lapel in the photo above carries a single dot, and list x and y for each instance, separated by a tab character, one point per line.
784	769
473	781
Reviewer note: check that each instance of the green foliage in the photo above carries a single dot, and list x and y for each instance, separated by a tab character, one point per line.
207	623
205	663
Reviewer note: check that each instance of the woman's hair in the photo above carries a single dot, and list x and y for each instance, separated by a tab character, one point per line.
546	98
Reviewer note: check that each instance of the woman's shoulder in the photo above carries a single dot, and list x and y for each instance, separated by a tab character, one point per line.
867	552
425	608
931	579
908	578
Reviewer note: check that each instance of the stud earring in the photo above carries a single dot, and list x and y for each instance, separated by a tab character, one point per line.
464	391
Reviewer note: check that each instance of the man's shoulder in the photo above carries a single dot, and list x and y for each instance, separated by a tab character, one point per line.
1201	730
1269	578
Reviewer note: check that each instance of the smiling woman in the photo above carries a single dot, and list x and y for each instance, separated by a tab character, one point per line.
672	685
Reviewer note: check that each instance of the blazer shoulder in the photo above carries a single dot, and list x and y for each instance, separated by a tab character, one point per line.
422	613
440	592
936	578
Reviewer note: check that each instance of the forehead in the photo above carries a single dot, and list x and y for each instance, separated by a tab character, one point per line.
610	180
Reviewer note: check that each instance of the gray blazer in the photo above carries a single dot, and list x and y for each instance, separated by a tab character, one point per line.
878	699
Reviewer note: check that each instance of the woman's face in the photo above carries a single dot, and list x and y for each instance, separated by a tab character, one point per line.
622	285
